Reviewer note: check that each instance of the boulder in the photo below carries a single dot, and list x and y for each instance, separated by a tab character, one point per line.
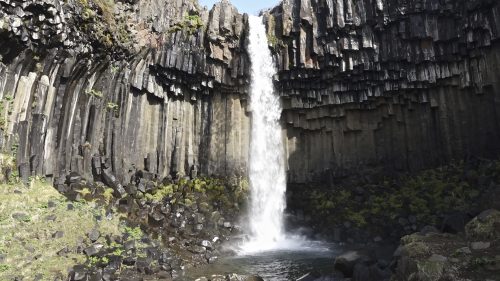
367	272
345	263
484	227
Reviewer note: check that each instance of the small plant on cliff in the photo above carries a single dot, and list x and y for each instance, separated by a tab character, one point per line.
113	107
94	93
191	23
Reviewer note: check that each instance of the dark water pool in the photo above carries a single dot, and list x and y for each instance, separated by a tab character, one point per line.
279	265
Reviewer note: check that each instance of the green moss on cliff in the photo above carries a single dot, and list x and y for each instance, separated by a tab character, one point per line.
191	23
427	196
102	25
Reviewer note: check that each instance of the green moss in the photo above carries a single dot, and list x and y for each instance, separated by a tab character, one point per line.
191	23
161	193
480	262
113	107
486	229
133	233
425	195
103	27
430	270
95	93
417	249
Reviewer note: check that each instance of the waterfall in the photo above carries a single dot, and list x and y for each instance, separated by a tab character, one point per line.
266	167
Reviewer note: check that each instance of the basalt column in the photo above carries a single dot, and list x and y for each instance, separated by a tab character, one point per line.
391	85
161	89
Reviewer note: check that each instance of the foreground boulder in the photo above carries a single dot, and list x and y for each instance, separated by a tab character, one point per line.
484	227
441	256
345	263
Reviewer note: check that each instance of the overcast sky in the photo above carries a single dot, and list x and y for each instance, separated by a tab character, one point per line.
245	6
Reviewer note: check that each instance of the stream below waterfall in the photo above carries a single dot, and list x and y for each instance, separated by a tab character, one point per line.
278	265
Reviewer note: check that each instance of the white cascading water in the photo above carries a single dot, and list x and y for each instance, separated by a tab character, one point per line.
267	167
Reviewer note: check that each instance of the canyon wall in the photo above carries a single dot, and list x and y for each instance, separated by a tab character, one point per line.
162	86
167	97
397	85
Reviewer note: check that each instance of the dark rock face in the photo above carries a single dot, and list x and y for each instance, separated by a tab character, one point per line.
174	107
398	84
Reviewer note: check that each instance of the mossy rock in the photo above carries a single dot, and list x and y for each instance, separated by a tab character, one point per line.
417	249
430	270
484	227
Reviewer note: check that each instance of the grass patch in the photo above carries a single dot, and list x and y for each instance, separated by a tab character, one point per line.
27	242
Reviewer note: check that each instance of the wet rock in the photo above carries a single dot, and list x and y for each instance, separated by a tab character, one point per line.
479	245
345	263
464	250
429	229
206	244
196	249
311	276
370	272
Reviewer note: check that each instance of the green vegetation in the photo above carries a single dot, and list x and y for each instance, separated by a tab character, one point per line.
192	23
133	233
29	216
202	190
481	262
5	104
161	193
104	27
94	93
112	106
273	41
425	195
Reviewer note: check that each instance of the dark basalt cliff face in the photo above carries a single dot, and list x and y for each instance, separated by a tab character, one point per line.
166	95
162	85
402	85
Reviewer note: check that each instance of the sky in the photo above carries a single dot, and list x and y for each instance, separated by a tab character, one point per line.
245	6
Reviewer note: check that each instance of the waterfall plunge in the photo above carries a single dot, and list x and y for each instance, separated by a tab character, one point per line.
267	157
267	167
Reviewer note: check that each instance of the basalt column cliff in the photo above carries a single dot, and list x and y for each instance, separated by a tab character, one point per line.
162	86
402	85
138	85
